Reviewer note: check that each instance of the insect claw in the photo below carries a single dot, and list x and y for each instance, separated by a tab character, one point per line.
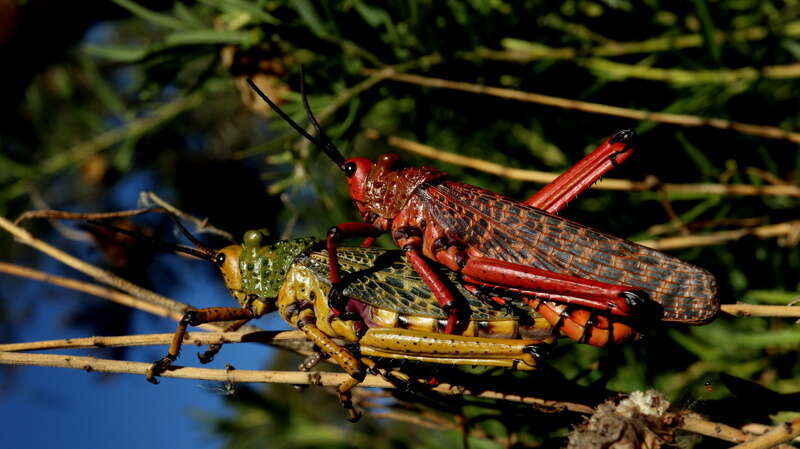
625	136
635	298
206	357
158	367
539	351
645	309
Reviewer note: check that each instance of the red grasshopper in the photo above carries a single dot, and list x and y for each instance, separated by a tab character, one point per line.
520	247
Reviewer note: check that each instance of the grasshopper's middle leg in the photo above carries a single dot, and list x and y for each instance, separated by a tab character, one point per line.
347	361
194	318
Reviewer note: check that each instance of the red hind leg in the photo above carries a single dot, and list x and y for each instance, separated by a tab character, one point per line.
619	300
565	188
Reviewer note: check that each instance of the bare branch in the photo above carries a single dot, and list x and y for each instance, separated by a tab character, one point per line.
195	338
769	132
742	309
779	434
91	364
103	276
786	229
696	424
201	225
542	177
174	313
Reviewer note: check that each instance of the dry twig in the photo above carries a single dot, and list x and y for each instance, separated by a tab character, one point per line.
174	313
201	225
770	132
696	424
261	376
692	423
788	228
103	276
779	434
542	177
195	338
743	309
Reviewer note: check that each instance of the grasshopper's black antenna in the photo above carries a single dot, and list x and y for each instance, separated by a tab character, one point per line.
320	132
200	245
323	142
201	253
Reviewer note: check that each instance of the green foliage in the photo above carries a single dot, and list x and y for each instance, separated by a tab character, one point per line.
129	101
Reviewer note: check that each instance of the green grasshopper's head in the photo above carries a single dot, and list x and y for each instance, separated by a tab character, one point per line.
255	270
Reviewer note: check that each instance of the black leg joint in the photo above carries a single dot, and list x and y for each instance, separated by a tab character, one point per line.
354	349
625	136
646	311
360	374
539	351
334	234
337	300
189	318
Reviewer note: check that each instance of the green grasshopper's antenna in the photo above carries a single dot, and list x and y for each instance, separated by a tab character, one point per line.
197	243
201	252
322	141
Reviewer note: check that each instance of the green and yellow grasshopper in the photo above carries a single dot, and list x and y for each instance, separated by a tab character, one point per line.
391	312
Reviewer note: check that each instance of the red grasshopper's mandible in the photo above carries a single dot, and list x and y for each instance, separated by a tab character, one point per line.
518	247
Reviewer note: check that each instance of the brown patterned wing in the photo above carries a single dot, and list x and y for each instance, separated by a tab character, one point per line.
501	228
383	279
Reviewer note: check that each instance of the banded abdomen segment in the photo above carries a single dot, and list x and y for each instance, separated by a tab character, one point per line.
582	325
493	226
536	328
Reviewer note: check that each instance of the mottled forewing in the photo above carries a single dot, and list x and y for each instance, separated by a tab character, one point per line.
501	228
383	279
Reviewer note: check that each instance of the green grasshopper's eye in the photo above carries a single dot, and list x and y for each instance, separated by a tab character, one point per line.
220	259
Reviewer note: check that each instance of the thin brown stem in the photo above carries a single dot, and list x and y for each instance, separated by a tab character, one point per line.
103	276
695	424
788	228
174	312
201	225
690	423
542	177
742	309
779	434
115	366
90	364
195	338
64	215
769	132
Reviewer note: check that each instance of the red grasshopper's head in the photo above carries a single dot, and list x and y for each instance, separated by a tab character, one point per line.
360	171
364	178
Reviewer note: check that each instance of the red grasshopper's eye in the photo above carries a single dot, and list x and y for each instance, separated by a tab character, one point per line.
349	169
